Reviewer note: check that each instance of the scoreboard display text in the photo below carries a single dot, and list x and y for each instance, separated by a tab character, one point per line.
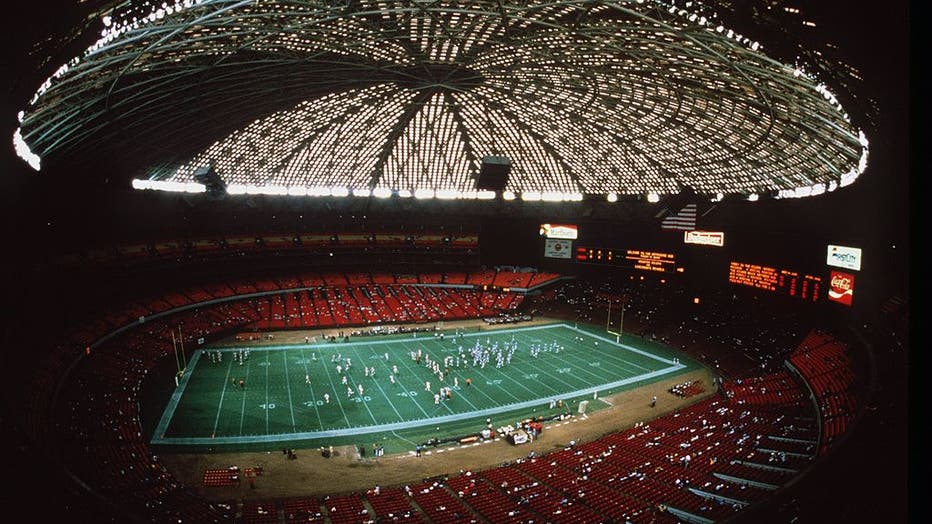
630	258
805	287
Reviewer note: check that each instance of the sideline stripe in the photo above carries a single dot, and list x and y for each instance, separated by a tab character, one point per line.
376	428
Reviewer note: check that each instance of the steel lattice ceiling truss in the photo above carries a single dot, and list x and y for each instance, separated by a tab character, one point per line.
584	97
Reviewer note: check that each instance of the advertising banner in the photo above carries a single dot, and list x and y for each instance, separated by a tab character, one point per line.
846	257
556	248
841	288
705	238
565	231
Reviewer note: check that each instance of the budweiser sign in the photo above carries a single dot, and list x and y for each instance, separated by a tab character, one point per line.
706	238
841	288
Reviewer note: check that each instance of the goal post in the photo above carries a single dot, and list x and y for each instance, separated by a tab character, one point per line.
181	363
609	328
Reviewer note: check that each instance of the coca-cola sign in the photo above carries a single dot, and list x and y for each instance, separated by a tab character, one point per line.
841	288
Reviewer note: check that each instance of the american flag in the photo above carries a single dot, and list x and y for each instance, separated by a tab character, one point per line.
682	220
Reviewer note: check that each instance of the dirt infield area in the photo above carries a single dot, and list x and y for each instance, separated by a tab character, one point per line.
345	472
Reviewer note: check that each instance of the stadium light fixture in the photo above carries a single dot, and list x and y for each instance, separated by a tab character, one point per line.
236	189
194	187
531	196
23	151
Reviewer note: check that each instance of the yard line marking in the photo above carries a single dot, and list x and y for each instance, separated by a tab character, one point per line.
464	397
629	348
336	394
511	377
222	392
481	374
624	363
361	398
551	375
242	411
443	405
390	403
288	387
267	410
480	390
320	422
602	354
404	362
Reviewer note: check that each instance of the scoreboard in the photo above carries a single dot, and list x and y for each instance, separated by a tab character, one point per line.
805	287
630	258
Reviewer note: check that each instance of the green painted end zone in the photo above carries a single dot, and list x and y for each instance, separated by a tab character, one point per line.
296	393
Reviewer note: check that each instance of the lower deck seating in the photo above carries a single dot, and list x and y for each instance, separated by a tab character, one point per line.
221	477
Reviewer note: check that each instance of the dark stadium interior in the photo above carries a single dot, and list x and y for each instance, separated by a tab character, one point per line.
76	208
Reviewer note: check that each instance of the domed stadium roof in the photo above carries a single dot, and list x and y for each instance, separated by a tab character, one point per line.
634	97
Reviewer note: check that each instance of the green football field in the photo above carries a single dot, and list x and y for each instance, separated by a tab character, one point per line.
296	393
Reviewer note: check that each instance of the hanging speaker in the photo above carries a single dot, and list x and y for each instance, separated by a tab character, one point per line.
493	175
